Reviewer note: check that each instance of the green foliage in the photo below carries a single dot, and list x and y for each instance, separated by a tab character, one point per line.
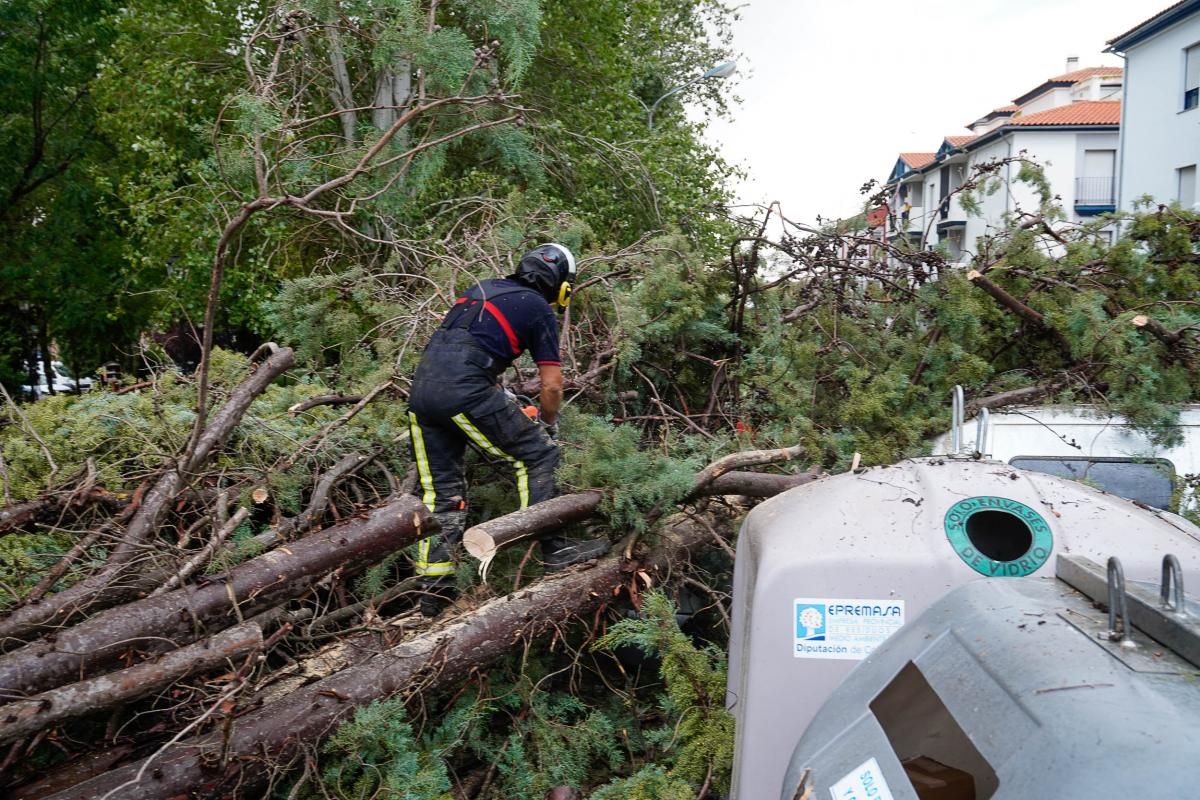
609	456
377	756
699	738
651	782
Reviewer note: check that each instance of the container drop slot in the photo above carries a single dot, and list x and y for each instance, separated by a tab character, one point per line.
934	780
918	725
999	535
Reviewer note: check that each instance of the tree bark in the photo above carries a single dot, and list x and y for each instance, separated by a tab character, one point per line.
343	92
484	539
758	484
106	587
106	691
1027	394
1023	311
185	615
1167	337
18	516
271	738
748	458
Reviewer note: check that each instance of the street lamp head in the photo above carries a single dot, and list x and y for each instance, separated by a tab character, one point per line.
722	70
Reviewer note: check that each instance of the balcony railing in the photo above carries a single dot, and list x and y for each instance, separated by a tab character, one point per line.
1095	191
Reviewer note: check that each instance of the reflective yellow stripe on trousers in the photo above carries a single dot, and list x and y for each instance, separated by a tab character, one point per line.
418	440
429	498
479	439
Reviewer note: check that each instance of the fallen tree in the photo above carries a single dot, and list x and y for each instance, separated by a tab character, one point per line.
241	762
109	587
24	717
186	614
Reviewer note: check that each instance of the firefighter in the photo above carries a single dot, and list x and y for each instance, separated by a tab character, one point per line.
456	400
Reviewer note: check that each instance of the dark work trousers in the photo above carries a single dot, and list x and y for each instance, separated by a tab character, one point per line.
456	401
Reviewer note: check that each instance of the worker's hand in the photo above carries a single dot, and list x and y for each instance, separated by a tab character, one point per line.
550	428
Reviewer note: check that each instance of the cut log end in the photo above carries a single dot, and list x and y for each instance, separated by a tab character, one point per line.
1140	321
479	544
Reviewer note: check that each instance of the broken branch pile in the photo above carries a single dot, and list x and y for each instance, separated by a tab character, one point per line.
142	658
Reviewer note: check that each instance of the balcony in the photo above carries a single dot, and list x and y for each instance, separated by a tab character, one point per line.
1095	196
950	214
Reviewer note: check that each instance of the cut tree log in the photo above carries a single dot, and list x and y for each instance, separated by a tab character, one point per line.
109	587
271	739
484	539
161	623
1160	331
106	691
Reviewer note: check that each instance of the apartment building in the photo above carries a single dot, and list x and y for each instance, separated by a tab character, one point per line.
1069	123
1160	124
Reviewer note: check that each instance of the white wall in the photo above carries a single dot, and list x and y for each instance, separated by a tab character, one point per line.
1157	136
1061	155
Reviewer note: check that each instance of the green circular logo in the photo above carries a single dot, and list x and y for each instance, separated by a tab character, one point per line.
991	553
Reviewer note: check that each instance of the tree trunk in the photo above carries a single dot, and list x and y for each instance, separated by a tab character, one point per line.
186	614
107	588
273	737
86	697
343	92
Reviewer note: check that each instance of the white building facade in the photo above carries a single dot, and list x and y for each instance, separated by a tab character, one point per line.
1069	124
1160	125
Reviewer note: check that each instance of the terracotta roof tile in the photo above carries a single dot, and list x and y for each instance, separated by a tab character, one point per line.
1083	74
959	141
1088	112
1008	109
1066	79
917	160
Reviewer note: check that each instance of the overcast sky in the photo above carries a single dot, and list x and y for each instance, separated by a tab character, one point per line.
833	90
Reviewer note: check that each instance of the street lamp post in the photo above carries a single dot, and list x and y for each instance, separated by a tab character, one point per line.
722	70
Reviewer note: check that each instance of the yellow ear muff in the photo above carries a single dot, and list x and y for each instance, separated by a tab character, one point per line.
564	295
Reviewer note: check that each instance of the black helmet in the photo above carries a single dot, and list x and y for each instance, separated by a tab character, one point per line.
550	269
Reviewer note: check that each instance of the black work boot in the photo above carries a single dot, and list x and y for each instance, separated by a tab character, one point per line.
437	592
558	552
438	554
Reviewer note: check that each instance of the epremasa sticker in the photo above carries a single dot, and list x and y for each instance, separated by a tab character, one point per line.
848	629
864	783
1041	542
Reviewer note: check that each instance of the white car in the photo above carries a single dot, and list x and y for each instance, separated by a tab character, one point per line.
63	382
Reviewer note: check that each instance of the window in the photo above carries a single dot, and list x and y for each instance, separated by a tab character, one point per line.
954	244
916	195
1187	186
1191	72
1146	480
1096	184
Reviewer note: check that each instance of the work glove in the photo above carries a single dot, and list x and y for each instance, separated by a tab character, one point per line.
551	429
